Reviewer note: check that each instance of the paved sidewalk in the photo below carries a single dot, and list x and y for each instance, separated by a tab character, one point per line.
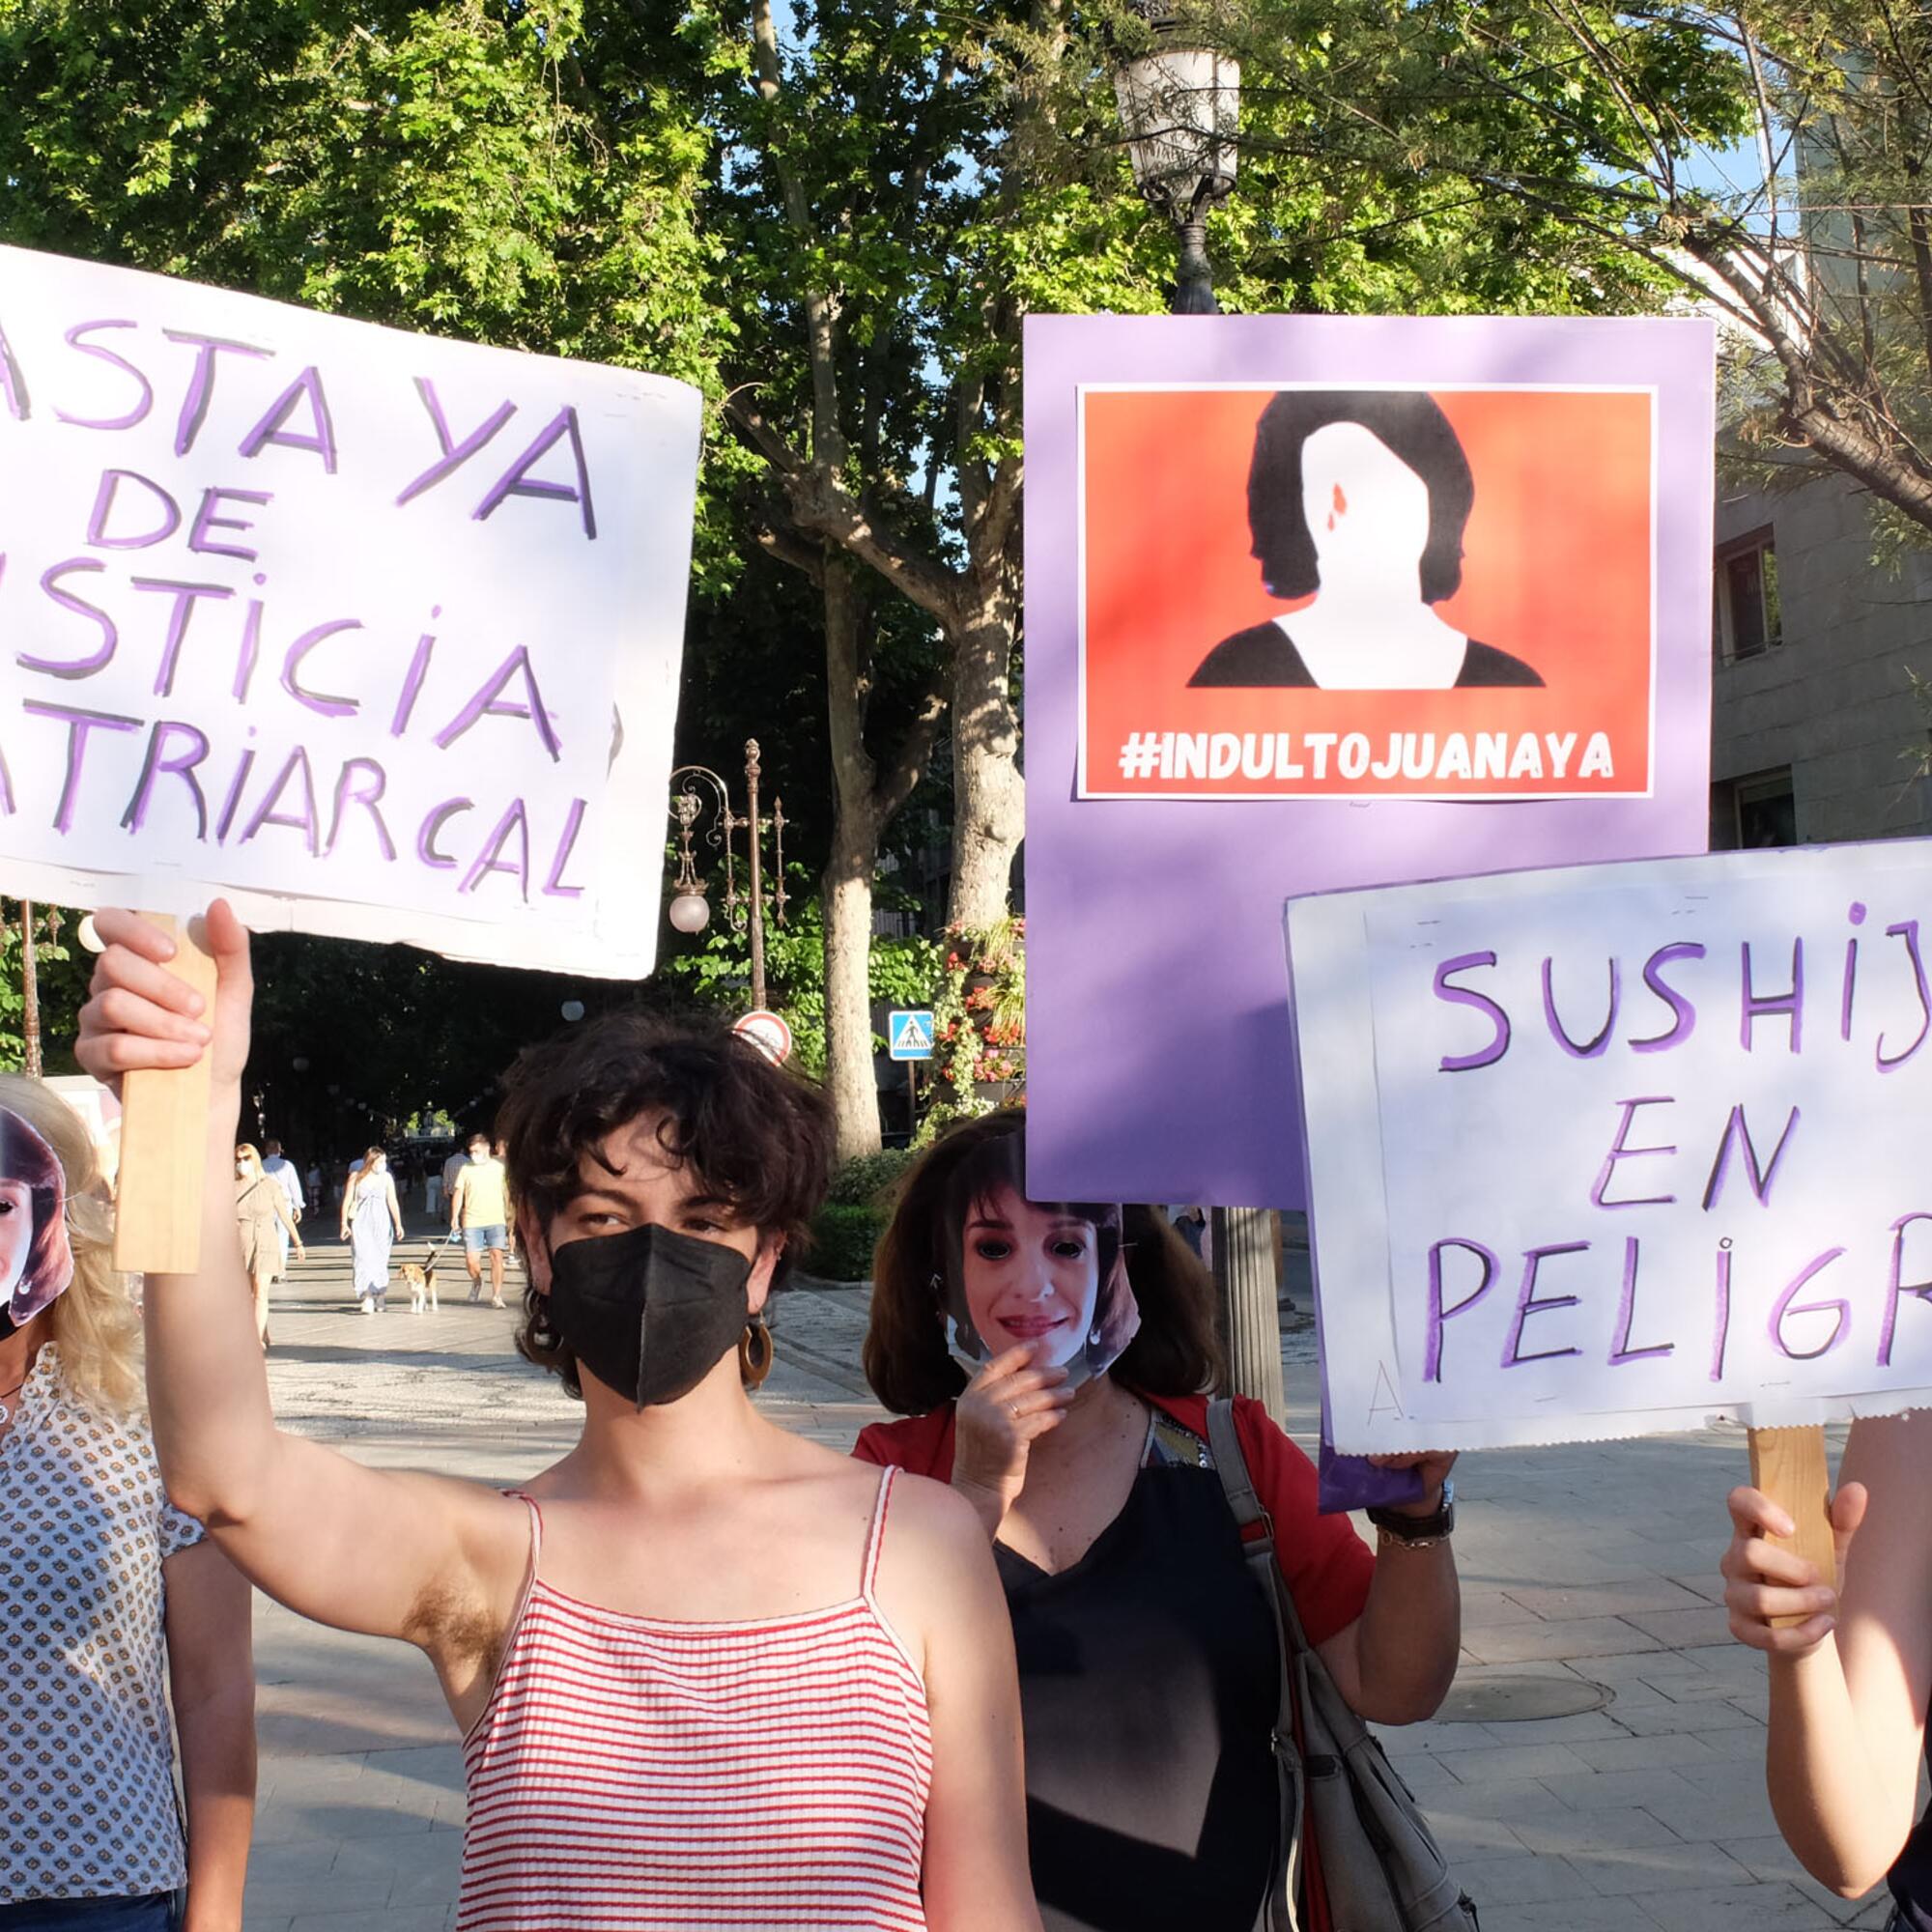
1589	1574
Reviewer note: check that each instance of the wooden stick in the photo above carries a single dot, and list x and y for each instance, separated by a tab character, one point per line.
1788	1465
164	1145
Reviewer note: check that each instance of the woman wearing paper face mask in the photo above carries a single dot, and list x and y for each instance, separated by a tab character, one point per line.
261	1207
113	1603
621	1642
1149	1669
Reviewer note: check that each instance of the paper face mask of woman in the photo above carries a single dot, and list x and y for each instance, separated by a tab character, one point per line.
1049	1276
35	1263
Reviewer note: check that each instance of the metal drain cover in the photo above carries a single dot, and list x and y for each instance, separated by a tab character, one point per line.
1511	1700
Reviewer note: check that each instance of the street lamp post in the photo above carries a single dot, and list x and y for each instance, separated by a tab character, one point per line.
690	911
1180	105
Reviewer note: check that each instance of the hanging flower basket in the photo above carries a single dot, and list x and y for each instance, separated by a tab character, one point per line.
978	1025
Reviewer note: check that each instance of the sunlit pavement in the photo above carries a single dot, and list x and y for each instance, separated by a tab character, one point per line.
1589	1574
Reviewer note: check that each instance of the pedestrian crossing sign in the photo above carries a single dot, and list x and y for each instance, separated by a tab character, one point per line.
909	1035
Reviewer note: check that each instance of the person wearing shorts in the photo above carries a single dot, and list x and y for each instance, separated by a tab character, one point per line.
479	1205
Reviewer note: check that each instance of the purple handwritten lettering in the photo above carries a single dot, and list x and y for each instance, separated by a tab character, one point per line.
305	819
80	725
1528	1302
1440	1312
1784	1307
1621	1351
250	651
491	859
12	383
320	437
515	482
486	704
1499	1039
206	520
103	506
159	762
413	683
1683	1015
1592	1048
139	413
200	390
318	700
362	782
233	801
439	815
1755	1006
1720	1325
454	454
1896	1286
553	886
1908	930
1856	912
1737	1128
186	596
1619	1151
68	601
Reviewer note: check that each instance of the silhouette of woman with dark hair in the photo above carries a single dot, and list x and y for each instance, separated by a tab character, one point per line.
1360	497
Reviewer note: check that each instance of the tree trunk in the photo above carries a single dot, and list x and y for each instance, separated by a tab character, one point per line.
988	794
856	826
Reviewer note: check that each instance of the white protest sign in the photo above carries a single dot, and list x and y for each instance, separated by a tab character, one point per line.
377	633
1615	1148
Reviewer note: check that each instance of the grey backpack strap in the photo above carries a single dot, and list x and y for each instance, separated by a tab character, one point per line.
1282	1912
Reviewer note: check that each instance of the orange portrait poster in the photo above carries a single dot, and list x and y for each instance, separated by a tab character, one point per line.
1367	591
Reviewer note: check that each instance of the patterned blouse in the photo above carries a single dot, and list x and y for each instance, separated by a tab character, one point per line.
87	1793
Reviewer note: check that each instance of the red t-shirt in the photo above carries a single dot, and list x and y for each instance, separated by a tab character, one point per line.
1327	1566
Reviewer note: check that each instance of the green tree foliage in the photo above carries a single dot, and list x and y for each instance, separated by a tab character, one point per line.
62	969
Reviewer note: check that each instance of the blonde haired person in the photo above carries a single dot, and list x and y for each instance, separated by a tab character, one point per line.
261	1215
114	1605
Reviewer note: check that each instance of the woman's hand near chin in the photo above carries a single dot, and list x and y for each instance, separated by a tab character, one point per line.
1008	1406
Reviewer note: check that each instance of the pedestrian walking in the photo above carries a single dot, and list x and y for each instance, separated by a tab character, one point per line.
479	1205
371	1220
705	1673
313	1182
262	1213
1148	1658
1852	1667
119	1612
282	1171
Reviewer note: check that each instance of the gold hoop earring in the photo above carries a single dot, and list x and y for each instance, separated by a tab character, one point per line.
755	1352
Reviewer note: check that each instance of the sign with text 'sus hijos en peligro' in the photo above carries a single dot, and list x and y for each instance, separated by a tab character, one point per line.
1317	602
1615	1148
378	633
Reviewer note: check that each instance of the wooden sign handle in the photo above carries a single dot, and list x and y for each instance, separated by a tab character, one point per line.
1789	1466
165	1143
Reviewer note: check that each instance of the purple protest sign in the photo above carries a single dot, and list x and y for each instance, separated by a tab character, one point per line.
1317	603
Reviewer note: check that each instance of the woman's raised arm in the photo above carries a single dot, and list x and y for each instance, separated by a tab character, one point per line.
364	1549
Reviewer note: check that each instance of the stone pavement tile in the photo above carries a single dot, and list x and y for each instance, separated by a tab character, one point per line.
1566	1833
1429	1739
1706	1584
1488	1607
1506	1799
292	1896
1491	1764
1579	1914
414	1919
1699	1717
1705	1623
1742	1811
1582	1636
1654	1786
1507	1882
1633	1753
1562	1602
1751	1908
1771	1861
1466	1841
1586	1727
1659	1871
1655	1666
304	1823
288	1865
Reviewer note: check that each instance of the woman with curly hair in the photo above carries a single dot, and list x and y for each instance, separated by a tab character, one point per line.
116	1608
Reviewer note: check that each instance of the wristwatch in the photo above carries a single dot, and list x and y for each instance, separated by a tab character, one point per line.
1435	1527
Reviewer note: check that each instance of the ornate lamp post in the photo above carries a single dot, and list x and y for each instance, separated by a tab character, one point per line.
1180	105
690	911
32	924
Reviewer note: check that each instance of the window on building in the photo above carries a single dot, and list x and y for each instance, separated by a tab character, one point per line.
1751	812
1749	620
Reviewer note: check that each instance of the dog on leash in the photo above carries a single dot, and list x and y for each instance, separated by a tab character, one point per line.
421	1279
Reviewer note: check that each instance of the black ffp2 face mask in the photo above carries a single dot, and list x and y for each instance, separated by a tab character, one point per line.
650	1312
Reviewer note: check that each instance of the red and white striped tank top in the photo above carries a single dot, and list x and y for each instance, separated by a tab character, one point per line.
632	1771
